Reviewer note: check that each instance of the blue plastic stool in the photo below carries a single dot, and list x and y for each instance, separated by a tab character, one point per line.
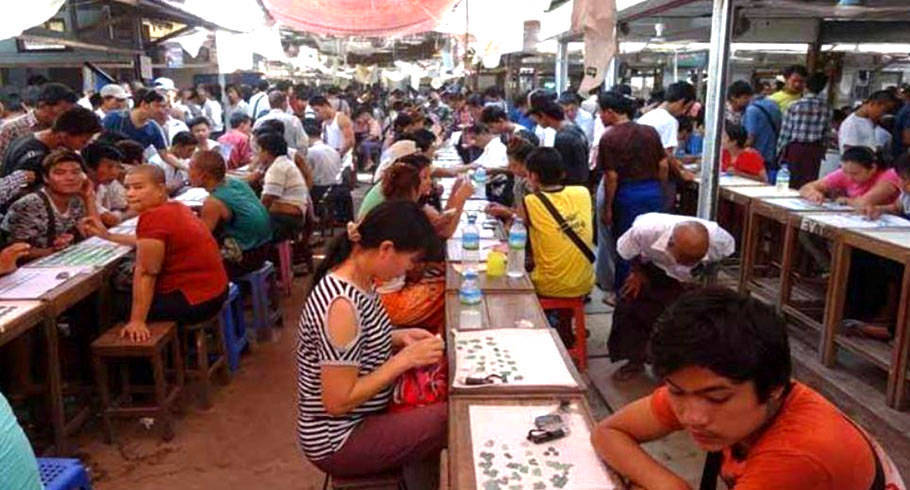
260	282
63	474
234	326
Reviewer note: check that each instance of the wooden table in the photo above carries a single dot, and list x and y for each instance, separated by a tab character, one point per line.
461	463
507	389
770	210
501	284
28	314
499	310
824	225
893	245
56	302
740	199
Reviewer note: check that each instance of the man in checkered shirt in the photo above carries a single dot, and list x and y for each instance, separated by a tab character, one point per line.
804	132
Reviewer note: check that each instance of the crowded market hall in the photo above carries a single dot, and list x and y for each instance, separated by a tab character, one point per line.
455	244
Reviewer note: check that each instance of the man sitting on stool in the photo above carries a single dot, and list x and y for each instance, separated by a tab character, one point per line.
665	252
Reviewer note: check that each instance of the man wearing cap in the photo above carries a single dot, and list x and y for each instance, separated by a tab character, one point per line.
570	140
113	98
53	99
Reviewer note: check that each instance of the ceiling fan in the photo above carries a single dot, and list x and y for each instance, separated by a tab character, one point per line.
841	9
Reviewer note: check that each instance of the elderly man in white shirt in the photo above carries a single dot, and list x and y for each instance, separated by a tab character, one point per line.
668	253
294	135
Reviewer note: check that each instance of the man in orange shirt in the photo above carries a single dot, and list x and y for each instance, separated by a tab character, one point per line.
725	363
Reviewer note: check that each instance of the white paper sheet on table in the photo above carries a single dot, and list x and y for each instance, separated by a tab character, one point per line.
193	195
93	252
735	180
12	310
32	283
527	357
475	206
840	220
800	204
500	429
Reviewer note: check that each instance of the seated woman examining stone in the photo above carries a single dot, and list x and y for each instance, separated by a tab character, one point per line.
724	360
417	299
49	218
349	357
179	275
860	181
233	213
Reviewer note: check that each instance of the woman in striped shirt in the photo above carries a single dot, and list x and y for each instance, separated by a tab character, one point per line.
349	357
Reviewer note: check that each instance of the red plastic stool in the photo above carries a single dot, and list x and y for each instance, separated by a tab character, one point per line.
579	351
285	266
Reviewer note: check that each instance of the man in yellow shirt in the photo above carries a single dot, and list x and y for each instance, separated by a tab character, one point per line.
561	268
795	77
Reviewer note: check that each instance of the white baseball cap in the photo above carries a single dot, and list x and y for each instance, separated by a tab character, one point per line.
114	90
165	83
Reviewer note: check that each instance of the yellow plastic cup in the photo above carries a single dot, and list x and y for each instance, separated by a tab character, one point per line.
496	264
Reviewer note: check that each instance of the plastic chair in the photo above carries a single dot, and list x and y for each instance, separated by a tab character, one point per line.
234	326
285	266
260	284
579	351
63	474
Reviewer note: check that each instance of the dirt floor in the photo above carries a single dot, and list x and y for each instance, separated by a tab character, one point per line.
247	440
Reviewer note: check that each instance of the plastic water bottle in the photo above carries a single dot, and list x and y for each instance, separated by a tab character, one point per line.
518	236
480	183
470	297
470	244
783	178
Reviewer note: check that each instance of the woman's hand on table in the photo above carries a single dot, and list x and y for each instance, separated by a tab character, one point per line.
136	331
813	195
10	256
871	212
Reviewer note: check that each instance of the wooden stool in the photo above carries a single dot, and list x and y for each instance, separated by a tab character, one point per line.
202	368
579	351
112	347
392	480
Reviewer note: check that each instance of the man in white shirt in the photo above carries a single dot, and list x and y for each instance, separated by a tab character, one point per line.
494	151
201	131
259	101
666	253
294	136
859	128
284	190
679	98
211	108
323	160
570	102
182	148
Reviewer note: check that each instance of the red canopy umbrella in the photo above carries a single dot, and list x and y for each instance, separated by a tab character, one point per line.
359	17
